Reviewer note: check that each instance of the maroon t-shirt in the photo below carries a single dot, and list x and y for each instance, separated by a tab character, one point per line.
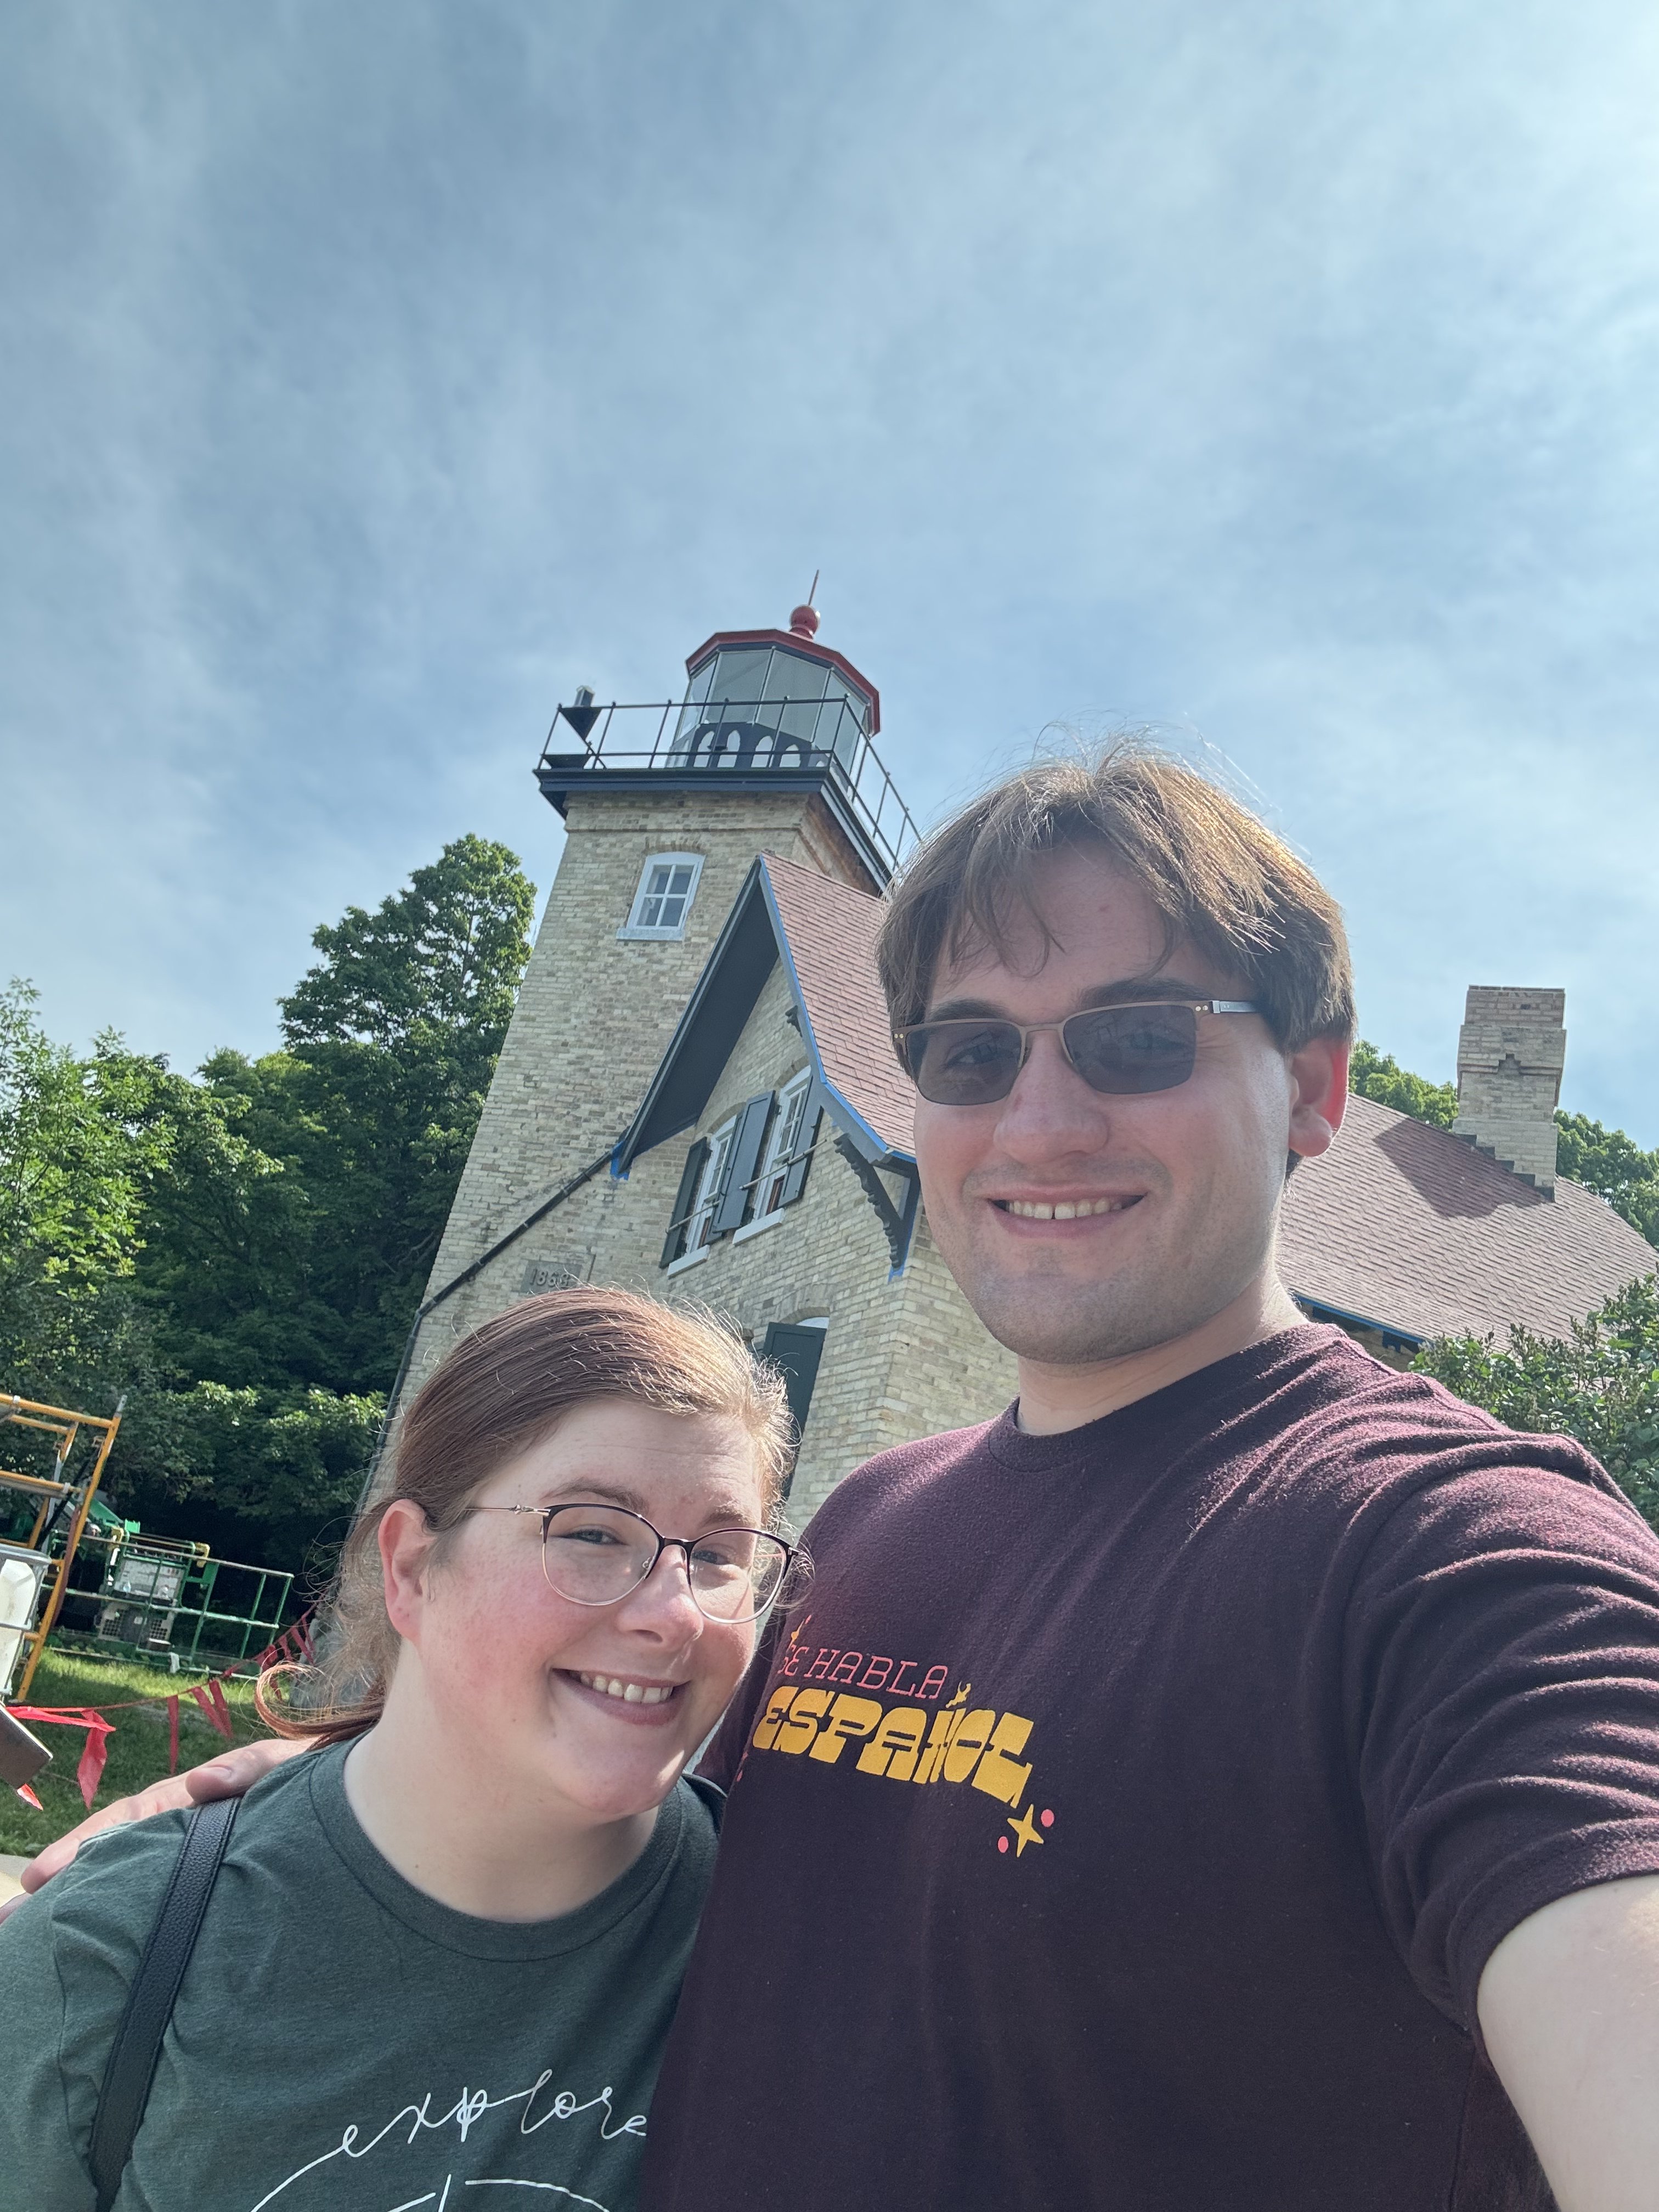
1125	1818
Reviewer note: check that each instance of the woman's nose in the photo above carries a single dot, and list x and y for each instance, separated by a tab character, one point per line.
663	1600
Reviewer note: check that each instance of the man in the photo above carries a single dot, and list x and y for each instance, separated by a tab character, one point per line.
1232	1778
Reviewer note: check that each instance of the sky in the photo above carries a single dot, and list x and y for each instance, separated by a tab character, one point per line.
1276	374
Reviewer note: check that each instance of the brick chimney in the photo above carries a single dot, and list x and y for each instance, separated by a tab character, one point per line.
1510	1052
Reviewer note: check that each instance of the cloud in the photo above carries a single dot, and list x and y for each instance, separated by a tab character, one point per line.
375	375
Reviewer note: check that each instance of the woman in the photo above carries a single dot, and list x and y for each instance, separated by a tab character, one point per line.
442	1956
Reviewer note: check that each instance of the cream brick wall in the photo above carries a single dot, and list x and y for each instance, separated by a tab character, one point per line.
901	1359
594	1014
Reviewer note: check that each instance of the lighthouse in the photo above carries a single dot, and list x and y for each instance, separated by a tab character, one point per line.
770	748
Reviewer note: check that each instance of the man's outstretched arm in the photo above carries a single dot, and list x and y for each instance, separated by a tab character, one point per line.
228	1776
1569	2005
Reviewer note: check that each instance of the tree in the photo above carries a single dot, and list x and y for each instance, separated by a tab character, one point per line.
80	1142
243	1254
1378	1075
436	966
1602	1385
1608	1162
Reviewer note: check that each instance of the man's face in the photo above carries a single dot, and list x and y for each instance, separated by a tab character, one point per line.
1189	1178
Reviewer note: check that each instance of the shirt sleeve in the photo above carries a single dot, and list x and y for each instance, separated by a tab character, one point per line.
67	1958
39	2157
1501	1705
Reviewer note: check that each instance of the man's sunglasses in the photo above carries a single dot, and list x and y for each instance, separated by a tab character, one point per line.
1123	1051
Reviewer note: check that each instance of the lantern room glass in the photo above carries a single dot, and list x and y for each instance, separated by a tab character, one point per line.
767	707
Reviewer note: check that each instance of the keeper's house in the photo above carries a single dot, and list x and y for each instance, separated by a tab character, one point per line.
697	1095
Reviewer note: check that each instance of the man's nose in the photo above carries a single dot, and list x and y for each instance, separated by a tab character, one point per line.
1051	1111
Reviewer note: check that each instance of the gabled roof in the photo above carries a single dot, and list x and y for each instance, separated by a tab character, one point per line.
824	931
1413	1231
827	930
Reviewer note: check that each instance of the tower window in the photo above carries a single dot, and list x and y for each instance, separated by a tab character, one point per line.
668	883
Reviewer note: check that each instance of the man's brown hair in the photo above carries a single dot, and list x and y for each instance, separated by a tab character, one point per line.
1219	879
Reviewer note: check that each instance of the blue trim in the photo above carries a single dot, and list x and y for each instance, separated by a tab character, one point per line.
872	1146
618	1173
1361	1321
912	1208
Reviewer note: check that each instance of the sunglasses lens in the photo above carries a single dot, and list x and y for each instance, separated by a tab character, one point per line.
963	1063
1124	1050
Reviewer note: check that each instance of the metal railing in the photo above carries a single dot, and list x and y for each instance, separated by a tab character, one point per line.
173	1602
821	737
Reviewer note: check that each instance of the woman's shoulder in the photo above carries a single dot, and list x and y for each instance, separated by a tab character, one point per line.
100	1909
103	1903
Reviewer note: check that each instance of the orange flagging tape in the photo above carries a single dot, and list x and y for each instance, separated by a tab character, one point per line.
293	1643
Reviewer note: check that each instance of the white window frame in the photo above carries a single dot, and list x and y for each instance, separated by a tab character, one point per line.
633	929
701	1219
788	1119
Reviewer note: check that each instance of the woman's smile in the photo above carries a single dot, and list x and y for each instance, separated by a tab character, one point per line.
627	1697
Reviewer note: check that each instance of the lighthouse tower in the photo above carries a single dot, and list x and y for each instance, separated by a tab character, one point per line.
769	748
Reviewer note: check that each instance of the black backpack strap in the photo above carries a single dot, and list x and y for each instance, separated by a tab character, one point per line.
149	2003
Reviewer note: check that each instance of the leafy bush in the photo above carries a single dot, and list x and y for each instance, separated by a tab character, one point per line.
1602	1385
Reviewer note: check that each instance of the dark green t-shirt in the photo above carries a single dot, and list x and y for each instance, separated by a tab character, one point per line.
342	2043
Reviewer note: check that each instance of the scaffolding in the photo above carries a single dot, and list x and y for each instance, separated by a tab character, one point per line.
35	1573
160	1600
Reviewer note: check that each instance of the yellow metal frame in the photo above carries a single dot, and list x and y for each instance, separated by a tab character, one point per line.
66	1426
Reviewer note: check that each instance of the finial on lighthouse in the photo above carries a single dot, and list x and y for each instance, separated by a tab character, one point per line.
804	621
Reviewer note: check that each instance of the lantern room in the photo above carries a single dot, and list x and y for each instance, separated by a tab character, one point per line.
761	709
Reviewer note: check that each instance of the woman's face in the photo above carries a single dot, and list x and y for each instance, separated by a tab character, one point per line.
519	1674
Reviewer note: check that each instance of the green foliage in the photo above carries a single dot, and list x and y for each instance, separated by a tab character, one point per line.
1608	1161
243	1255
82	1144
1378	1075
1600	1386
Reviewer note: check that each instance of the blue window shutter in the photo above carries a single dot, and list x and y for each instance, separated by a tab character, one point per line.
741	1162
797	1352
795	1181
690	1177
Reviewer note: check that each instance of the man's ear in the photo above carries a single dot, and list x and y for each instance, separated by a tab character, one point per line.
405	1542
1319	1094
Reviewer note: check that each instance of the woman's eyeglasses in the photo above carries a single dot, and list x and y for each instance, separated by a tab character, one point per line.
596	1554
1123	1051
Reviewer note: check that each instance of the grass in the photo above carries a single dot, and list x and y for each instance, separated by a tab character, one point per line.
137	1749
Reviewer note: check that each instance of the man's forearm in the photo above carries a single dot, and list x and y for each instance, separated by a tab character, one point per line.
1569	2006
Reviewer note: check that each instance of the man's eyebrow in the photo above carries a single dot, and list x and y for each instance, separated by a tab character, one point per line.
1128	991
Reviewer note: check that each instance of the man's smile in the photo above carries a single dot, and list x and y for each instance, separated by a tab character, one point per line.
1064	1209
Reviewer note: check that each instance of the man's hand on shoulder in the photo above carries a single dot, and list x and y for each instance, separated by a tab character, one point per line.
1569	2006
228	1776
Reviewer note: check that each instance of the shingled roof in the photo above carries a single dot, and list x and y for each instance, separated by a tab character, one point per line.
830	930
1411	1230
